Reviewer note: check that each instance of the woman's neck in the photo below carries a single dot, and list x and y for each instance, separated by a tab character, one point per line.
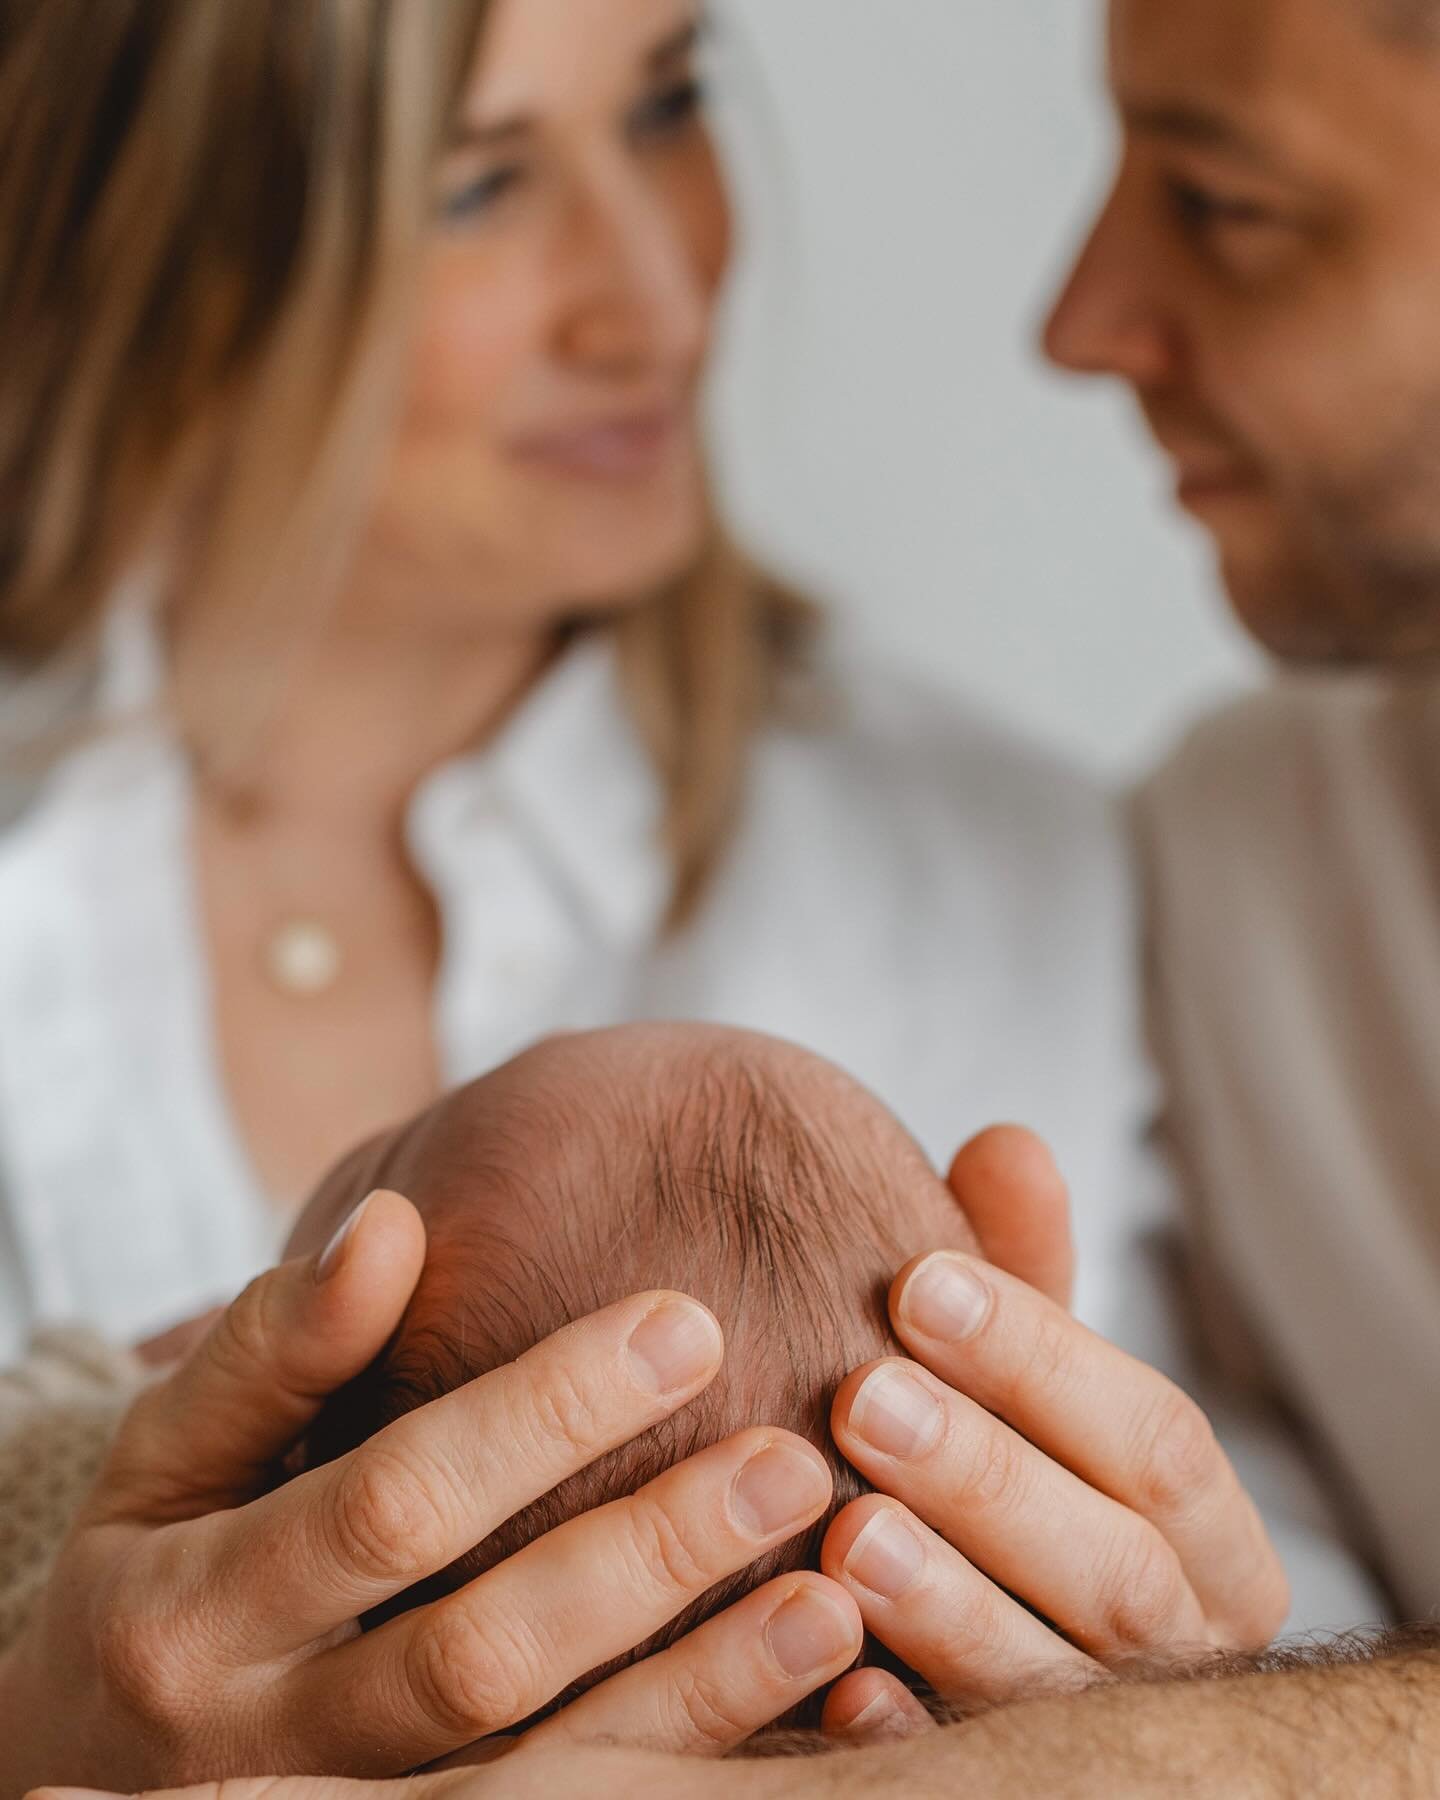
368	714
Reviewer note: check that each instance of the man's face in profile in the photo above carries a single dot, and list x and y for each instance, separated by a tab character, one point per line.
1266	276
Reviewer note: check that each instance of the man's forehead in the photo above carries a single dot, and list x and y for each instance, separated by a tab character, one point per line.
1304	79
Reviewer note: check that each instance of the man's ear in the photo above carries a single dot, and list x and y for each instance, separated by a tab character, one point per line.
1008	1186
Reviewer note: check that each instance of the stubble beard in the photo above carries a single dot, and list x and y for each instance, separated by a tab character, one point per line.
1355	580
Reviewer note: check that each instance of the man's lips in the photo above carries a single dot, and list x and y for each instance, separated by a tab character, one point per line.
1205	473
1206	467
617	449
1206	484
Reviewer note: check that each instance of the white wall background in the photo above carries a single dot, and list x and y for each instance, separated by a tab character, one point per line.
914	174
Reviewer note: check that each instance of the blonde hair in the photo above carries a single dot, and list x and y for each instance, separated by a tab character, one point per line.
210	219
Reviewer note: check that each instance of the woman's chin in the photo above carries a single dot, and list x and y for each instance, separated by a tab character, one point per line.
606	577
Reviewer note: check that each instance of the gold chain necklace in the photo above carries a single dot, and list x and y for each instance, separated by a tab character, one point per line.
299	955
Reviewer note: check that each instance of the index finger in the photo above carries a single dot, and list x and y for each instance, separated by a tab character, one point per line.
1119	1425
342	1539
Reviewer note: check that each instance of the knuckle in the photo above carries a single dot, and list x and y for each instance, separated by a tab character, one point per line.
1047	1365
670	1550
709	1712
465	1683
241	1340
561	1415
1178	1456
384	1523
993	1476
1142	1596
144	1666
968	1636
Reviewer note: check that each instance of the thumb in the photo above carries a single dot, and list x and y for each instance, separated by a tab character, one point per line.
1007	1184
211	1433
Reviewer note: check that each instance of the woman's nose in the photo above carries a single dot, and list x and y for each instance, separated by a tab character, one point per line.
643	300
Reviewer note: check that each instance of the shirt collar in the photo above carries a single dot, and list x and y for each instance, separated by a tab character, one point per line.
568	770
571	774
131	674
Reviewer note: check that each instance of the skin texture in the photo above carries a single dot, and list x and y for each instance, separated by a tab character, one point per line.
1265	276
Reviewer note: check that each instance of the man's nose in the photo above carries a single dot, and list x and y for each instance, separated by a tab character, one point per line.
1110	318
642	300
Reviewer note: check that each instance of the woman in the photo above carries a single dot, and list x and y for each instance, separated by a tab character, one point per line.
440	715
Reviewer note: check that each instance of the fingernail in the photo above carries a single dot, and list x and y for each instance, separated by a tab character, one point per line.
895	1414
675	1346
945	1299
880	1721
808	1632
887	1557
332	1257
780	1489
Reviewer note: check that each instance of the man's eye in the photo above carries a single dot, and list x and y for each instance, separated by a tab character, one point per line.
479	196
670	113
1199	209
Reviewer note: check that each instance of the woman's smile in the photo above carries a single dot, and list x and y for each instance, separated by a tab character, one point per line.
623	448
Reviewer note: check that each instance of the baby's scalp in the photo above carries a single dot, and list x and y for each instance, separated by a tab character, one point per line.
736	1168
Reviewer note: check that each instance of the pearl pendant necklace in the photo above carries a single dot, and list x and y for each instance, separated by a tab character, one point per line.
302	958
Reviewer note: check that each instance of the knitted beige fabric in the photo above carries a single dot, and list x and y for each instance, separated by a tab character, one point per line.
58	1412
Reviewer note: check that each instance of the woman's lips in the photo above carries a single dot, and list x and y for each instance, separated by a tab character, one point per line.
619	450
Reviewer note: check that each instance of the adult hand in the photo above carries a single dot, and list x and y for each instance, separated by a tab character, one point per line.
1020	1458
199	1626
1006	1183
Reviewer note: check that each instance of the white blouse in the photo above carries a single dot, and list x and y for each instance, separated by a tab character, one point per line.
911	892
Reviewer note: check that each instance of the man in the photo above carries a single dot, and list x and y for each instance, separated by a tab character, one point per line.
1266	276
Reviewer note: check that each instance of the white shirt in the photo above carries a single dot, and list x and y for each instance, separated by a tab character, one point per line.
912	893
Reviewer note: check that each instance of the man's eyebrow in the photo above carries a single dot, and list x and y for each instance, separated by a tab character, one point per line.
676	48
1197	126
680	45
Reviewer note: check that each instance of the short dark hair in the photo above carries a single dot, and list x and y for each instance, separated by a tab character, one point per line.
728	1193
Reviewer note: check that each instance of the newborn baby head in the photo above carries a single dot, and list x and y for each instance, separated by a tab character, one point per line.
742	1171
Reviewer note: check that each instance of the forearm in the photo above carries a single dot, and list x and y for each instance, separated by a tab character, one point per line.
1327	1726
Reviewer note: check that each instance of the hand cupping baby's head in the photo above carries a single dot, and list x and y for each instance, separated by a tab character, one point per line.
740	1170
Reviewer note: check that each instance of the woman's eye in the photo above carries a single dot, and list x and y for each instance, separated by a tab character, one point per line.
480	196
670	113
